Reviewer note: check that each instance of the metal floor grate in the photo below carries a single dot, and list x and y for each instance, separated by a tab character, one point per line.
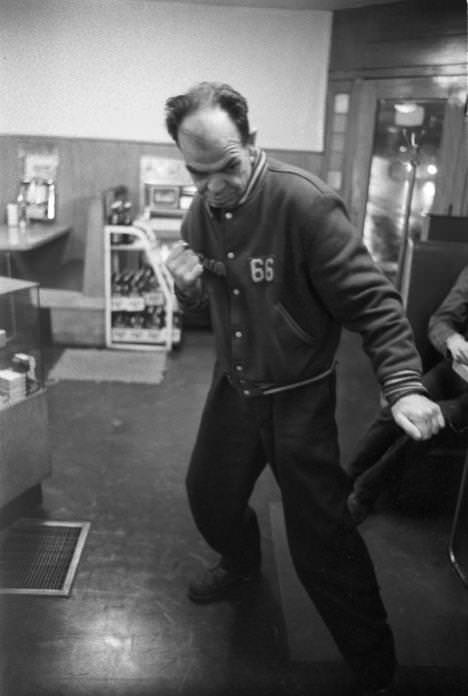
41	557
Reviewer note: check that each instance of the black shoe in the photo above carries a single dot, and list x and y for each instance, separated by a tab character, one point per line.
219	583
358	510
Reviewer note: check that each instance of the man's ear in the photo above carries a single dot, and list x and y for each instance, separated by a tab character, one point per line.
252	137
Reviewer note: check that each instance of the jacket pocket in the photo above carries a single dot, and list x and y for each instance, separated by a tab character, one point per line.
294	326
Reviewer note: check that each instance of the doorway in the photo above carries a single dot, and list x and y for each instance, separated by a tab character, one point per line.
408	132
402	179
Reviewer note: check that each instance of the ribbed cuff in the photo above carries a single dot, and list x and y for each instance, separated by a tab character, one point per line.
401	384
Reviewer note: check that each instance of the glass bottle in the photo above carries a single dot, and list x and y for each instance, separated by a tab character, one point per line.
21	201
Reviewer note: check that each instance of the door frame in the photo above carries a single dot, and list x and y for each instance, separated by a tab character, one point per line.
451	183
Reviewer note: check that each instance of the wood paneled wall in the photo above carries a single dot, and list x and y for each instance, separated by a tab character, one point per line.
415	37
88	167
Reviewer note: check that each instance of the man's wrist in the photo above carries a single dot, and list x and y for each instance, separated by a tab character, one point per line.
190	291
191	297
402	383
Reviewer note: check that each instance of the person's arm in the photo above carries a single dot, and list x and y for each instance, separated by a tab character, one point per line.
447	325
186	268
363	300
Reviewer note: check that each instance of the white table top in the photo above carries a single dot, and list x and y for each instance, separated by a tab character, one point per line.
35	235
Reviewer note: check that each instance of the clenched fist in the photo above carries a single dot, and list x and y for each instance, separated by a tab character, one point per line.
185	267
418	416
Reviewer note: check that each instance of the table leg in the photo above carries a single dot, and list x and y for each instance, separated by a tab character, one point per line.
458	544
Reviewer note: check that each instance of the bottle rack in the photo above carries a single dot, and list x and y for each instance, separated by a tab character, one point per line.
141	307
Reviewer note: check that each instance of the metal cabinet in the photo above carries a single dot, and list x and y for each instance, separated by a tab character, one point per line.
24	446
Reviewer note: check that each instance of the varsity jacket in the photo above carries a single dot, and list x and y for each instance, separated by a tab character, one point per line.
283	272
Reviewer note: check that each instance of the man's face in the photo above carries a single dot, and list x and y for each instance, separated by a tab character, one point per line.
217	161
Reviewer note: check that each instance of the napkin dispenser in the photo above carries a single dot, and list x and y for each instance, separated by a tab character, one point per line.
40	197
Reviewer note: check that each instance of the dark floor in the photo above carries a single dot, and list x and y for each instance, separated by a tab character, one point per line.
119	455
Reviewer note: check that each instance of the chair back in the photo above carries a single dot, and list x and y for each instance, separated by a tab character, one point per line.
429	272
446	228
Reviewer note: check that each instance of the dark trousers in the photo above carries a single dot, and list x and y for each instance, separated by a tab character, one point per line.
295	432
383	454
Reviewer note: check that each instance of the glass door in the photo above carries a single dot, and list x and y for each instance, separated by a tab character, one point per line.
403	159
403	172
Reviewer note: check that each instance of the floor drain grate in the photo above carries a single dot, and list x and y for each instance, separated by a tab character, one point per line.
41	557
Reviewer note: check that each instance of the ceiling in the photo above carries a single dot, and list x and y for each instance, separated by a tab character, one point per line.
293	4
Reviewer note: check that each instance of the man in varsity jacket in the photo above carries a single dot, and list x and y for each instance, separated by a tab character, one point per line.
271	250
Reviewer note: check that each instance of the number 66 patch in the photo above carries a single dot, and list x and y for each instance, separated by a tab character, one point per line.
262	269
